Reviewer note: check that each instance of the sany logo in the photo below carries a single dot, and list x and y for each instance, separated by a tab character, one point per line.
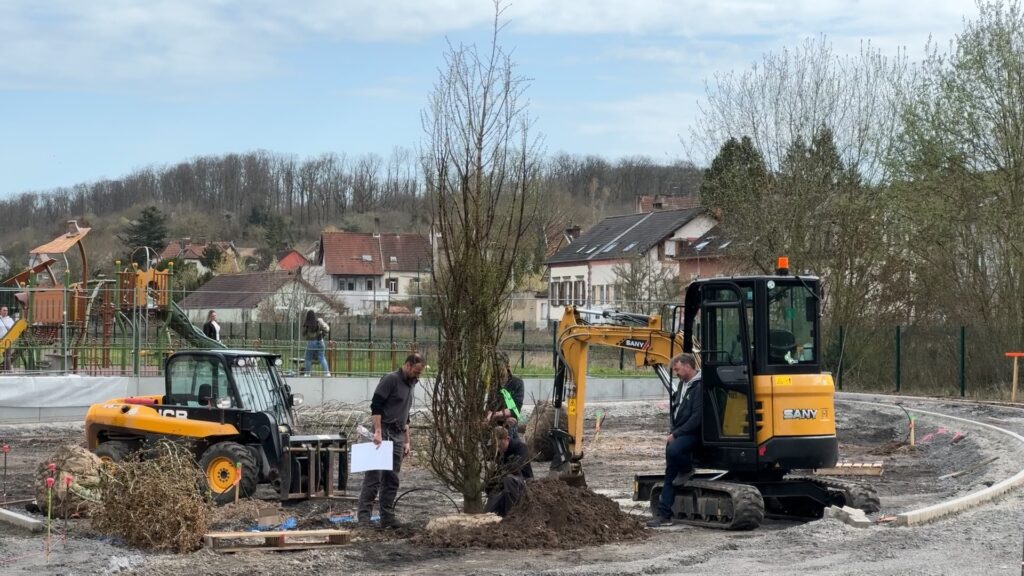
799	414
173	413
635	344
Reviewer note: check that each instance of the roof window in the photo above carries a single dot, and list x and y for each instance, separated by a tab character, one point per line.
367	258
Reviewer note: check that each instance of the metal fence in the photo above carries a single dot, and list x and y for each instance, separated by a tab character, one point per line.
923	360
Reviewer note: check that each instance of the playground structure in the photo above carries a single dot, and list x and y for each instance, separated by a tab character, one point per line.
54	314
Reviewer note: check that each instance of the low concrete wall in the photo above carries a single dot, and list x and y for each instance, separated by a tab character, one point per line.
317	391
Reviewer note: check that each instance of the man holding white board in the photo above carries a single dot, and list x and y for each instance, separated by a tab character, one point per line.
389	408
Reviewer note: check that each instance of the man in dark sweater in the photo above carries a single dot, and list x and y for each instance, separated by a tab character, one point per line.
685	436
506	400
389	408
514	465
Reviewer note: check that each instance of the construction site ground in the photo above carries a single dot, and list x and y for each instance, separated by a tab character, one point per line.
986	539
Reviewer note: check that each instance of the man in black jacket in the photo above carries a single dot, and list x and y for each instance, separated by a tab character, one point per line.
514	464
506	400
389	408
685	435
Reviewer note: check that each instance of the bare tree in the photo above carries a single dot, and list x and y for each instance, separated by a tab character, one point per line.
480	171
644	285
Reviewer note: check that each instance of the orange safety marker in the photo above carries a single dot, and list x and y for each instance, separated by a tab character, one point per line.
49	507
1016	372
238	480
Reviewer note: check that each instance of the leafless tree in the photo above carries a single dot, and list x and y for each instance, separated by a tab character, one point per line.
480	166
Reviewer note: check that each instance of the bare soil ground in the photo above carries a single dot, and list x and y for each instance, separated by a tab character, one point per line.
985	540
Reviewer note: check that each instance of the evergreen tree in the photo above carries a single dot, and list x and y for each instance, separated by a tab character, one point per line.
150	230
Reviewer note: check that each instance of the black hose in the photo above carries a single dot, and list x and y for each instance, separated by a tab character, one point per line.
457	510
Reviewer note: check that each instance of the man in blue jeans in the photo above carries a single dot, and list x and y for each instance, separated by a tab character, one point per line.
685	435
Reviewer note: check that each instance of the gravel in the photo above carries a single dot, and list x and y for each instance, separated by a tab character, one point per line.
984	540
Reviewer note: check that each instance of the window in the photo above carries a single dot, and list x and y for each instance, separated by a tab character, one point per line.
580	292
791	314
369	285
393	285
198	381
629	247
351	285
393	259
670	248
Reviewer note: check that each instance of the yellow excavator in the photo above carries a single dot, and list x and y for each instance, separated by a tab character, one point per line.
768	407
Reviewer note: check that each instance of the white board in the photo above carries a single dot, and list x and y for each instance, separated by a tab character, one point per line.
365	456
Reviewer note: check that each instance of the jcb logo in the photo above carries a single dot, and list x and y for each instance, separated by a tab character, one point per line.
799	414
173	413
634	344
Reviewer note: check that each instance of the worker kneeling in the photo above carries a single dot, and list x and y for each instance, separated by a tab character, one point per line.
514	466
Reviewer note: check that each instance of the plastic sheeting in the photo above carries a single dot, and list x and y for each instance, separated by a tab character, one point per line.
59	391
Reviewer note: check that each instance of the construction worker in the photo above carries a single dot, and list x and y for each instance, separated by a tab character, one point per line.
508	401
389	408
514	467
684	437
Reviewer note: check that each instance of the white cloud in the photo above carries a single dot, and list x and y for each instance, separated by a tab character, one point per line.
101	41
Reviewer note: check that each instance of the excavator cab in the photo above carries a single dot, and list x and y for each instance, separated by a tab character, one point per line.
767	405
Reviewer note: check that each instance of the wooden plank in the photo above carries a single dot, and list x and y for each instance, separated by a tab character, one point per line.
296	533
276	540
852	469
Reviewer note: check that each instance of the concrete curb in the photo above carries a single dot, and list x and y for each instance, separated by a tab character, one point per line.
20	520
928	513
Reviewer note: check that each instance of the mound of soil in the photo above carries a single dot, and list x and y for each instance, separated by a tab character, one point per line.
552	514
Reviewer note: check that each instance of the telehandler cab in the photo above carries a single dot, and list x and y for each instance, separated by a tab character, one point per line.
768	407
232	408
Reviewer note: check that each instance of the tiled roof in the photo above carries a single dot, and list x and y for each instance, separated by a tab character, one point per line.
663	202
191	250
624	236
713	243
238	290
290	260
363	254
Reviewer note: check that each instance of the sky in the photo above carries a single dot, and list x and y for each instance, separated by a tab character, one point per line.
92	90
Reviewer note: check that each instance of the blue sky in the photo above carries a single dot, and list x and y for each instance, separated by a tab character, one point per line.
93	90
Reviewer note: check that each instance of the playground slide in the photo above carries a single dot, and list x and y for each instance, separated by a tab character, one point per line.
7	341
178	321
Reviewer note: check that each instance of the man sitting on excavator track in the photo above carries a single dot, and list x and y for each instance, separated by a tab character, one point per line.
684	437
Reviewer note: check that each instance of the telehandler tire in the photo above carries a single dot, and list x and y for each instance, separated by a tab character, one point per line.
114	451
218	466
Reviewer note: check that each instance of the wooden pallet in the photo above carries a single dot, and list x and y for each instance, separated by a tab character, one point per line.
852	469
282	540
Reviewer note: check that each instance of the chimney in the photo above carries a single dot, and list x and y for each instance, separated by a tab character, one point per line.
376	227
572	233
73	229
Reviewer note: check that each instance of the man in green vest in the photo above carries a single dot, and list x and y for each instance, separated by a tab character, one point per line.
507	402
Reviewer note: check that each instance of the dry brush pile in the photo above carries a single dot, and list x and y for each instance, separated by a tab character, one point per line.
154	503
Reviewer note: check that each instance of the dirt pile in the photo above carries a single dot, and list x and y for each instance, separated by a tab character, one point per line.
154	503
552	514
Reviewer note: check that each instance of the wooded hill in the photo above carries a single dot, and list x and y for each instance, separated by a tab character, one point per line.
269	200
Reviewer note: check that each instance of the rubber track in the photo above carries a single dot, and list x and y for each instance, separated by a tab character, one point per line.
747	504
863	497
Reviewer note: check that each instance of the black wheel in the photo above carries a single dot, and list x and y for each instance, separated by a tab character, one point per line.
219	466
114	450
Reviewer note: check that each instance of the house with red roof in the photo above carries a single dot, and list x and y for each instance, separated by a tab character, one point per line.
190	251
367	271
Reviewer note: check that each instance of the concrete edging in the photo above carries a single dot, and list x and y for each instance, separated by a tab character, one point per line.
928	513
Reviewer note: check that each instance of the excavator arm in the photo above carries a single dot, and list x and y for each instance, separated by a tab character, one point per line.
641	335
